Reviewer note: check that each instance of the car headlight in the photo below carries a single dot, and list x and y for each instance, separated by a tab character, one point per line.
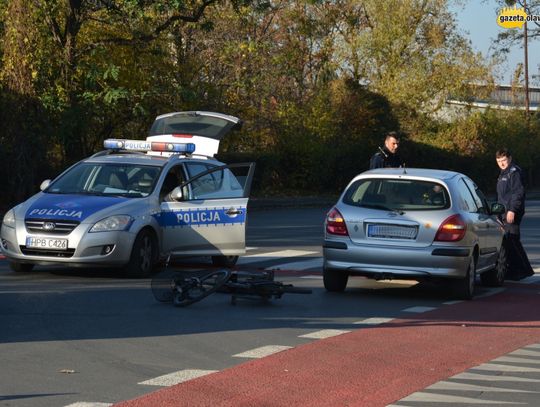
116	222
9	219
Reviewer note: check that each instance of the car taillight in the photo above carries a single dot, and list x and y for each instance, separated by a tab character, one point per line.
335	224
451	230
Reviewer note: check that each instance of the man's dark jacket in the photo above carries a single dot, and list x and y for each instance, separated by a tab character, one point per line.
511	191
385	159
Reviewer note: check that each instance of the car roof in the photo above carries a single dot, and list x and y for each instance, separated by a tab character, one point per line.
443	175
142	159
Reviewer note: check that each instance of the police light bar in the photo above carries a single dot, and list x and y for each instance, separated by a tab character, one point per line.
187	148
123	144
143	145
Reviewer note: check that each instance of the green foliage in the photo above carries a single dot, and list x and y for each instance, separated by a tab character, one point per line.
317	83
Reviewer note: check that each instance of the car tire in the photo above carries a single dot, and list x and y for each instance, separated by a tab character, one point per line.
224	261
464	287
143	256
495	277
21	267
335	280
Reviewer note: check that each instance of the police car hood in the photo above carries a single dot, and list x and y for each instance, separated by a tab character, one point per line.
72	207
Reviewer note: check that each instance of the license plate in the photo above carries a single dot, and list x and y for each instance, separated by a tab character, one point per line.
46	243
392	231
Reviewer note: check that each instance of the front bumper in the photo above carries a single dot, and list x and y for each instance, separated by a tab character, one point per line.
84	248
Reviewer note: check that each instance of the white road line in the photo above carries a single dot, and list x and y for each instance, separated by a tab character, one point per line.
524	352
452	302
299	265
533	346
262	351
445	385
88	404
253	258
493	367
374	321
323	334
493	378
510	359
418	309
444	398
313	277
177	377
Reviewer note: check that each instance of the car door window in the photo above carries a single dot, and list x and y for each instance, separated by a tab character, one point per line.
478	196
467	201
218	182
175	177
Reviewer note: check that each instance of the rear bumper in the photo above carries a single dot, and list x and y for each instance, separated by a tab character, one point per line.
396	262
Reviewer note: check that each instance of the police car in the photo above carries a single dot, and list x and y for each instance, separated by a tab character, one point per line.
138	201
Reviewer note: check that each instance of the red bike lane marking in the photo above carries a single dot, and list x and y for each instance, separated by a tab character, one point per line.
371	366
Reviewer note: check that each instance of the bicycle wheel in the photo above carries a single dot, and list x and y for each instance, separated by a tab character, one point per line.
193	289
163	285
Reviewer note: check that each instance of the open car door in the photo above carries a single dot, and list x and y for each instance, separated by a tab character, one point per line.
206	215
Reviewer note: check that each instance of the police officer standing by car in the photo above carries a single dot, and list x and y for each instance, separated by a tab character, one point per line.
511	193
387	157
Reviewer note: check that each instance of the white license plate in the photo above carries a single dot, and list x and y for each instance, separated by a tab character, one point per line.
392	231
46	243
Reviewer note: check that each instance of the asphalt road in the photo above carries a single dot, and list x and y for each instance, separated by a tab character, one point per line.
88	336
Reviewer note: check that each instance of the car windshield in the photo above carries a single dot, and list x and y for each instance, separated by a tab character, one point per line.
397	194
129	180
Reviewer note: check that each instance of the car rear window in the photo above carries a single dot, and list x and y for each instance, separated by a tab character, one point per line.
397	194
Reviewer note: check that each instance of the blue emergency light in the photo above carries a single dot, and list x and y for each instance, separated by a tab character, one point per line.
142	145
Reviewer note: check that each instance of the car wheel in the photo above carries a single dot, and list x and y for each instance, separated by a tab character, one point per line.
143	256
224	261
495	277
21	267
335	280
464	288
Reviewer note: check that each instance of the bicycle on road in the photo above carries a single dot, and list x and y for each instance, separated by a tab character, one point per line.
183	288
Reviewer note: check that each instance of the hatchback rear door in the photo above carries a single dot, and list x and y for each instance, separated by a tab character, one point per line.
205	129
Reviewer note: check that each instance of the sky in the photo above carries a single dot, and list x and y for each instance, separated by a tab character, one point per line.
477	20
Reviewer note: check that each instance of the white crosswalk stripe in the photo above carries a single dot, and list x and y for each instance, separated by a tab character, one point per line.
445	385
323	334
177	377
262	351
300	265
493	378
424	397
256	258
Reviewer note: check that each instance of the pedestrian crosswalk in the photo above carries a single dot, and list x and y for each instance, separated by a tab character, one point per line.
505	380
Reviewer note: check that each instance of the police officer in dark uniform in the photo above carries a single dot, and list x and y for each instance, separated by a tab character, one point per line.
387	156
511	193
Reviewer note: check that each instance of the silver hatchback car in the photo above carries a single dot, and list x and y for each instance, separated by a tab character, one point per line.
414	224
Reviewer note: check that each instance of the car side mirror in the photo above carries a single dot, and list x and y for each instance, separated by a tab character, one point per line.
176	194
43	186
497	208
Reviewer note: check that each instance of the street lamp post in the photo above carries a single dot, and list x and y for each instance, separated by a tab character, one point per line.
526	65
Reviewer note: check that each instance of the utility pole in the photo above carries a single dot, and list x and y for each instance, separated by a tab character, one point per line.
526	66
